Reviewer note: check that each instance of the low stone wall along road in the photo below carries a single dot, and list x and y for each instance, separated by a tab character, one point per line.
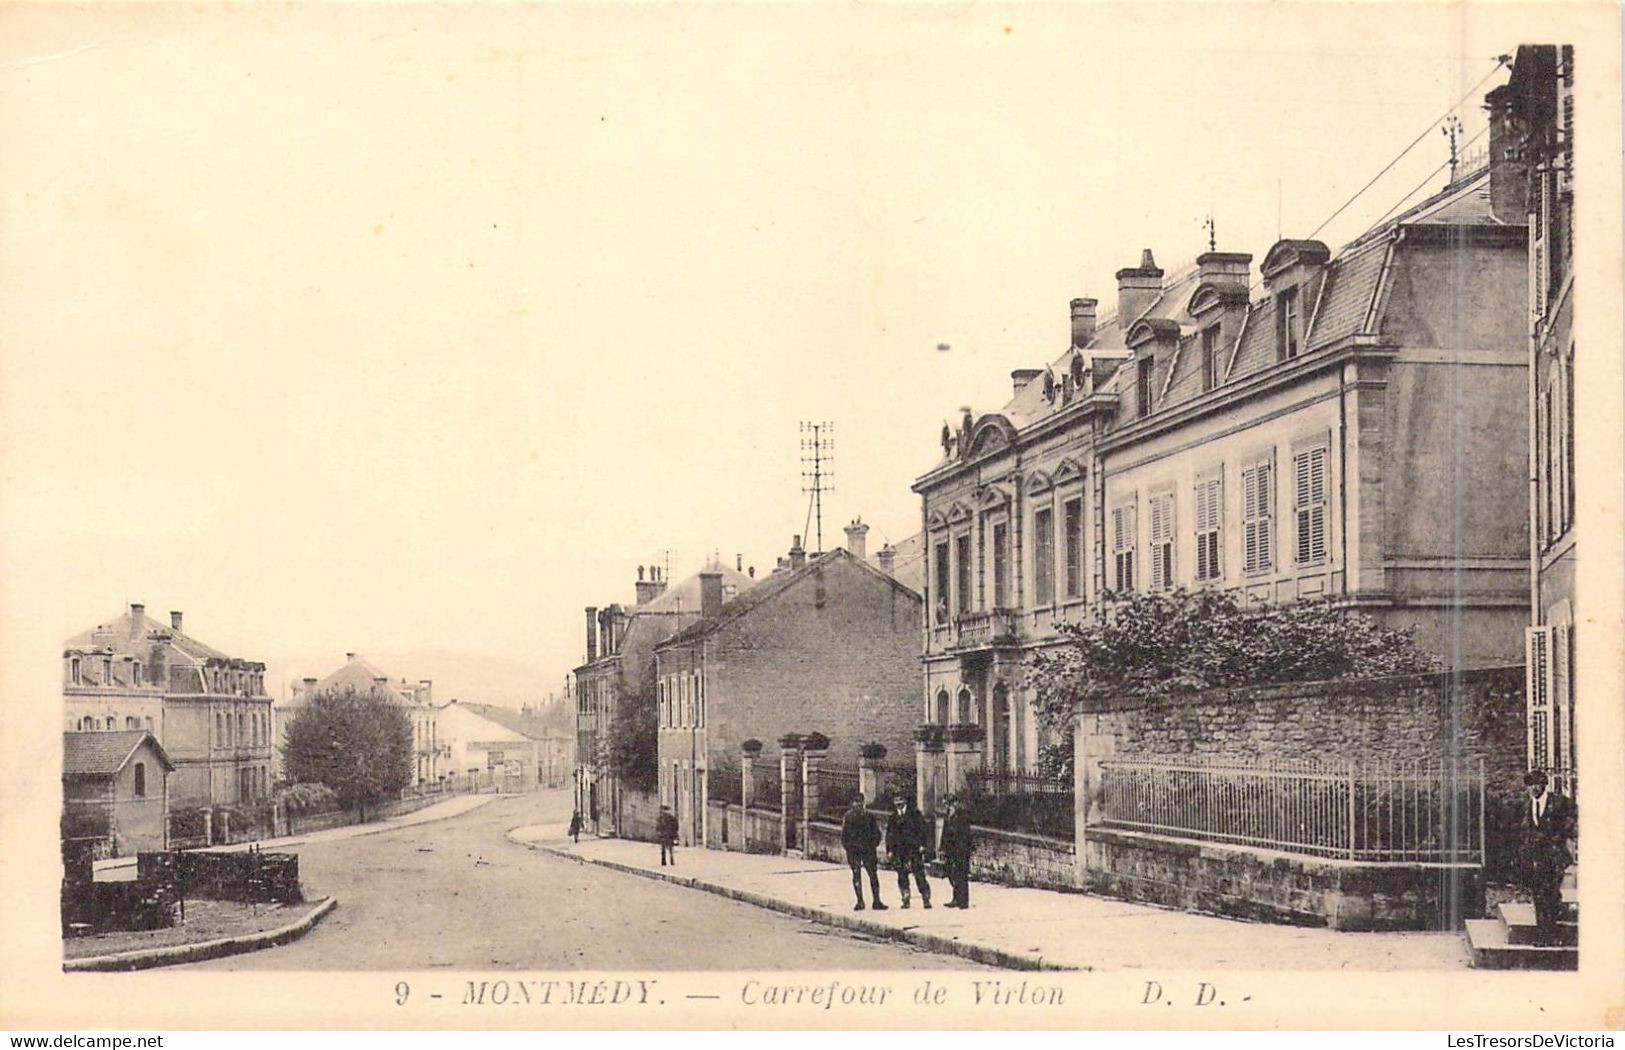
456	894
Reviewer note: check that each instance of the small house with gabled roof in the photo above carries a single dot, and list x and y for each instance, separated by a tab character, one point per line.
828	644
115	786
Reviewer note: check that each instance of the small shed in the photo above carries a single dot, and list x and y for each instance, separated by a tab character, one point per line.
115	785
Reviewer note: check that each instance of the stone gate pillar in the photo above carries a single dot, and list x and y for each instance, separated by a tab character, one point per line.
814	749
789	790
927	767
963	752
871	773
749	752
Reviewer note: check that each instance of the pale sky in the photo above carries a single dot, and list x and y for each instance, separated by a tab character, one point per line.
409	329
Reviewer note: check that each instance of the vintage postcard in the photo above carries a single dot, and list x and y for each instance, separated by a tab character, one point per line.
887	516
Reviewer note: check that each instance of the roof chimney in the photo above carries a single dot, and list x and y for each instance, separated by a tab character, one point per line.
1519	111
175	619
1137	288
1223	267
798	555
1022	376
592	633
651	587
710	594
138	614
349	656
1083	321
857	542
887	558
426	690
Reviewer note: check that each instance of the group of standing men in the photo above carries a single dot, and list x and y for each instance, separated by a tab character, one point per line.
908	844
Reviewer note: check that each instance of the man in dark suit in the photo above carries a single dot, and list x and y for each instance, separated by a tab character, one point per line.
666	834
908	837
957	843
1550	825
860	837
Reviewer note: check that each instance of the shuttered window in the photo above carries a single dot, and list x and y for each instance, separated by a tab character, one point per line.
1209	517
1044	556
1257	504
1123	528
1309	500
1162	541
1538	672
1074	548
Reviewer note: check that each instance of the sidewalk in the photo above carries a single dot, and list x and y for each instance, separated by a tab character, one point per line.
1017	927
122	869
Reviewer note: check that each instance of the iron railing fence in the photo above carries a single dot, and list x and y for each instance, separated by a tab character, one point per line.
725	783
900	781
1016	782
765	788
1372	810
837	787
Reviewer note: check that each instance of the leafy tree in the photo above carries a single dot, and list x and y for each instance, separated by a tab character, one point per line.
1158	646
630	749
357	743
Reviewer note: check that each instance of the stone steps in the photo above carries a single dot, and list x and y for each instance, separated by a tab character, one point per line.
1509	940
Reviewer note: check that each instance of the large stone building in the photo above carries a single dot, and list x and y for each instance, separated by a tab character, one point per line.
520	750
828	644
1537	106
620	664
1342	434
209	710
358	673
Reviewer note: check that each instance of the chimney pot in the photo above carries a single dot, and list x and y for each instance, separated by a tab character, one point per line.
1083	321
887	559
1022	376
592	633
1137	288
798	555
349	656
857	539
175	619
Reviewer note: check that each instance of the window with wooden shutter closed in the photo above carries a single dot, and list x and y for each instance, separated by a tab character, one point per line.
1123	546
1255	486
1208	563
1538	695
1309	485
1162	542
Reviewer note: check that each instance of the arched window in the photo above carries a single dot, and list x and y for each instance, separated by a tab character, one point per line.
130	722
112	723
86	724
943	702
967	706
140	780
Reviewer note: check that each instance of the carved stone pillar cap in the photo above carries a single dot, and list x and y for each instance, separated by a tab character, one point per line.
965	733
790	742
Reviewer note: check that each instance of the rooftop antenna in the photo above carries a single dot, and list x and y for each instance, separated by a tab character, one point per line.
1212	237
817	470
1450	130
665	562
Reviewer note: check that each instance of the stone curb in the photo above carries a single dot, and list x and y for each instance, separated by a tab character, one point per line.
932	942
170	955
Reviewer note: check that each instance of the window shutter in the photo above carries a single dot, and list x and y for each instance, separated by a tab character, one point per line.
1162	542
1309	470
1538	672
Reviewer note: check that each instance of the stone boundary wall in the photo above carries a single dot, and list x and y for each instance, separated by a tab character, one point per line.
760	830
639	810
1268	886
1014	858
1477	714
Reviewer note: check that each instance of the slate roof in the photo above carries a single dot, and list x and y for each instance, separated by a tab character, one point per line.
771	588
116	634
98	754
513	721
361	673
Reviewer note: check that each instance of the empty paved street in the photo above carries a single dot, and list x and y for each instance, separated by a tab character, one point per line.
457	894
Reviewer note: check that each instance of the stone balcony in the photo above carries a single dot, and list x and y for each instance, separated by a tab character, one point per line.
986	630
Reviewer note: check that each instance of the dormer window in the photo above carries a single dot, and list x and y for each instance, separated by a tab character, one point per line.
1210	357
1142	387
1288	332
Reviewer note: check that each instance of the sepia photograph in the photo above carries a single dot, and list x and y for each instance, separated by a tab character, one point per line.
886	516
